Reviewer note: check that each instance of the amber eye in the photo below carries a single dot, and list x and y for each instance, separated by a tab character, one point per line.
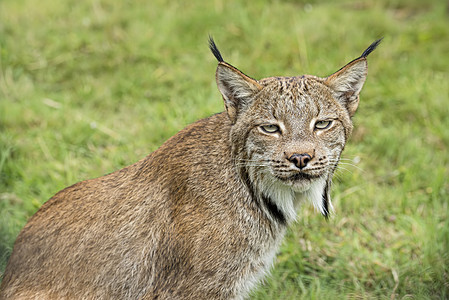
270	128
323	124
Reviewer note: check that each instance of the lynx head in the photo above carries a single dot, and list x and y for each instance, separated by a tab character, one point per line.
288	133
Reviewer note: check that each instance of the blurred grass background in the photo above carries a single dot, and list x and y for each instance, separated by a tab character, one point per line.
90	86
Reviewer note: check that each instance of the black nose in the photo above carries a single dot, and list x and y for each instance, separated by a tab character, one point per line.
300	160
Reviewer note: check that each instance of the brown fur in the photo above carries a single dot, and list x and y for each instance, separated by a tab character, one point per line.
202	216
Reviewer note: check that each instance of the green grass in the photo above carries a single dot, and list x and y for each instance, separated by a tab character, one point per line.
87	87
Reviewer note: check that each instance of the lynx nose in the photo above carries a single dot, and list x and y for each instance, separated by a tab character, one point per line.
300	160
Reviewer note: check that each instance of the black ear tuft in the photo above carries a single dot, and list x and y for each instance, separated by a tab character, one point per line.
215	50
371	48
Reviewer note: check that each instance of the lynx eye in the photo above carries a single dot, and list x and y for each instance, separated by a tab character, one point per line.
323	124
270	128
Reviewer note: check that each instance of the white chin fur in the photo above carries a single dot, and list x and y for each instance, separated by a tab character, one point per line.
313	192
282	194
315	195
288	198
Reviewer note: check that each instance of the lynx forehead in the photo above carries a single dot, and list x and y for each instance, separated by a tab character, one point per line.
298	98
203	216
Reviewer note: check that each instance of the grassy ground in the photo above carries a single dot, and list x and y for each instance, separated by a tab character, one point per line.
87	87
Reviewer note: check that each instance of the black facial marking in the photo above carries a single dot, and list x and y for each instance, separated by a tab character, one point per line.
245	178
281	89
325	196
274	210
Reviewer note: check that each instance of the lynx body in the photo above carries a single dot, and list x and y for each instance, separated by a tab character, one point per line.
201	217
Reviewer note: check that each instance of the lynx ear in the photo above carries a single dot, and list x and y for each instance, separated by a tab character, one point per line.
347	82
236	88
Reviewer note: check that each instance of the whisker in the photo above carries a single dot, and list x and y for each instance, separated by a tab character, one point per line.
352	165
252	164
340	163
337	176
339	168
252	160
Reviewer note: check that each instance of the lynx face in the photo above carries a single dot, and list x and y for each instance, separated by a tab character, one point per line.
288	132
297	134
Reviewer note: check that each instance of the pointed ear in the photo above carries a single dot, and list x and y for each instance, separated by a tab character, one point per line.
347	83
236	88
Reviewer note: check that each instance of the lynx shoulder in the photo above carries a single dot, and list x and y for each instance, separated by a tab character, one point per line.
201	217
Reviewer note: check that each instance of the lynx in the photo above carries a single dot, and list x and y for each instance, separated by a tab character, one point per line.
203	216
